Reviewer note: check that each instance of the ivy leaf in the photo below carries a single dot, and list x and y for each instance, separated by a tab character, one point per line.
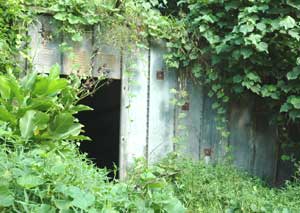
253	77
285	107
246	52
287	23
61	16
294	74
262	47
77	37
197	71
246	28
261	26
295	101
237	79
294	34
74	19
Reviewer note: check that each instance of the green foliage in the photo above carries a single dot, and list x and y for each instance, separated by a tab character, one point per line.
63	180
13	27
241	47
39	109
221	188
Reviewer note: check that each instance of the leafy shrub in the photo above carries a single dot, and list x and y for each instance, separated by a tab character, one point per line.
41	170
207	188
39	108
48	180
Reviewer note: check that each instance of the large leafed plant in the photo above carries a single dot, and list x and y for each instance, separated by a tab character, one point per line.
39	108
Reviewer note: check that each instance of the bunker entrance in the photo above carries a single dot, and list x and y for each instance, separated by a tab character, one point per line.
102	125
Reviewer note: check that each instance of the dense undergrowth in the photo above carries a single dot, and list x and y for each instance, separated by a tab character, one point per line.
63	180
222	188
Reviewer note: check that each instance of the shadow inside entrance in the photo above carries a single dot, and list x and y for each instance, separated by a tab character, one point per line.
102	125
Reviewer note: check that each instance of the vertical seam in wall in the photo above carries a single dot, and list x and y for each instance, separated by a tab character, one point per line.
175	117
148	104
202	124
62	55
121	130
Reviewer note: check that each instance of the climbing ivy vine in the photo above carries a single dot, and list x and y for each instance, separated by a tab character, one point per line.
238	48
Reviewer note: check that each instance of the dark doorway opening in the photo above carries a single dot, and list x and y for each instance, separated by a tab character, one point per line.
102	125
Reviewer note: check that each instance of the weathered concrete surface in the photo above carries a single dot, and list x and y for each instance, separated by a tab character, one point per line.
133	143
190	147
78	61
44	44
162	112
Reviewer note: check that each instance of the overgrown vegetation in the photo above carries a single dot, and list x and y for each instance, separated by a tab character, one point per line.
243	48
221	188
61	179
232	47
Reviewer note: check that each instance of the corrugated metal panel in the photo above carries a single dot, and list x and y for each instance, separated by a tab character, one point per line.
44	44
210	137
265	141
162	112
241	141
134	109
190	147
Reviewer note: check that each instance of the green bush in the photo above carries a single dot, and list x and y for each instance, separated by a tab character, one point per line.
63	180
219	188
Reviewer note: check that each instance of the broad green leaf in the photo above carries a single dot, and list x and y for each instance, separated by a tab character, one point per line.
285	107
41	120
77	37
246	28
74	19
44	208
46	86
61	16
294	74
295	101
73	130
30	181
288	22
261	26
56	86
80	108
197	71
174	205
41	86
26	124
63	204
253	77
7	116
5	89
63	126
6	198
237	79
262	47
83	200
54	72
294	34
246	52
